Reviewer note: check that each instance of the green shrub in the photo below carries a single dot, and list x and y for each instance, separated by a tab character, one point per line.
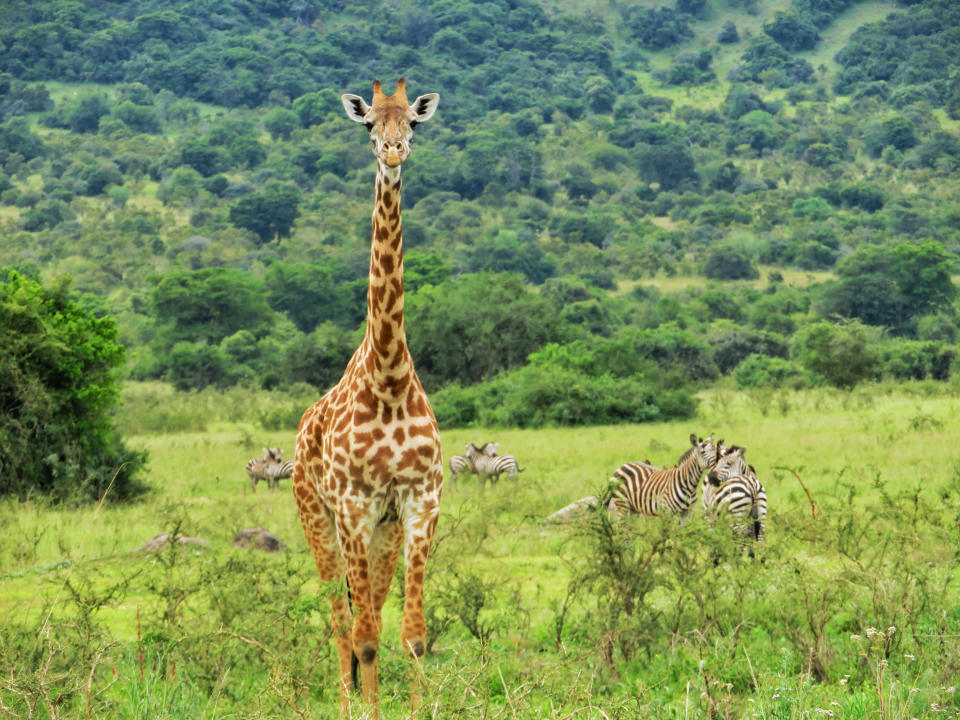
916	360
58	383
842	354
765	371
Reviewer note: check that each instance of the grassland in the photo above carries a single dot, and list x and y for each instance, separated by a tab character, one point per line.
520	609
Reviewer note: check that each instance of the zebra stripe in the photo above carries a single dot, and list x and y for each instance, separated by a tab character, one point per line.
646	490
278	472
459	465
492	467
733	486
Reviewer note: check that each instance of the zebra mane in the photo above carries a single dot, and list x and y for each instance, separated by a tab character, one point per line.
684	457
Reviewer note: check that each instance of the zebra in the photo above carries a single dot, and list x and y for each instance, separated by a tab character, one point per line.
643	489
460	464
271	467
733	485
492	466
277	472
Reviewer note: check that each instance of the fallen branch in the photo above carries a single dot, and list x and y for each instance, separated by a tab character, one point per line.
813	506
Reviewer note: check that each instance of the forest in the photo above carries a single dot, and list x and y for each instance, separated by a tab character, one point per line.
616	207
699	190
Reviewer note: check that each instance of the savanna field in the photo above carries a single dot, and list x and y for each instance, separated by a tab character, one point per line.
850	608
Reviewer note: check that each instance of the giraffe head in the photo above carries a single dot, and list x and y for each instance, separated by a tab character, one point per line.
390	120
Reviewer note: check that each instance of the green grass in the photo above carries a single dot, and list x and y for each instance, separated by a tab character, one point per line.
260	613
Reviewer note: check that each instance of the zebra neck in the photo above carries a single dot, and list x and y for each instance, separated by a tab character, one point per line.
689	473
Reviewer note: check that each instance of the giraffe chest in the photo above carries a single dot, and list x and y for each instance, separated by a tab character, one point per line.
370	445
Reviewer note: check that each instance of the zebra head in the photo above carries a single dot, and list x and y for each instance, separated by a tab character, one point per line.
706	451
491	449
730	464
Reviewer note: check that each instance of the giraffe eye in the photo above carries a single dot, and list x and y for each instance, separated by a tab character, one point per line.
413	124
369	125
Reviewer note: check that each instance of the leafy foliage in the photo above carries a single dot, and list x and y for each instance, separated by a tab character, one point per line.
58	384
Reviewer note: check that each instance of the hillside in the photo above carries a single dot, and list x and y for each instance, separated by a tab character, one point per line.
598	183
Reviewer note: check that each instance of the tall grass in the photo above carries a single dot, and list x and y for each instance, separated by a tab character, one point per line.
592	618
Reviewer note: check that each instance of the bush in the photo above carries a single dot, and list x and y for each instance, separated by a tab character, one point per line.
725	262
842	354
916	360
765	371
542	396
58	385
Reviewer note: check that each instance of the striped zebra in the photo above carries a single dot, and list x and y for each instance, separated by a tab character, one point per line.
277	472
271	467
492	466
460	464
647	490
732	486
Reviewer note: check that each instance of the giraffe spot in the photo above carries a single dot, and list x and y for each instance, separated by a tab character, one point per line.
422	430
391	300
399	436
378	434
368	655
387	200
388	264
387	416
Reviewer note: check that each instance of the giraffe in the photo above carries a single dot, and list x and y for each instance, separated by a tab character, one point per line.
368	469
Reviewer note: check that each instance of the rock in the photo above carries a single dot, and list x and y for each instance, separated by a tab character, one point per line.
573	509
259	539
163	540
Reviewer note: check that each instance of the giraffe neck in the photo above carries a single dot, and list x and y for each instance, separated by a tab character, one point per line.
387	363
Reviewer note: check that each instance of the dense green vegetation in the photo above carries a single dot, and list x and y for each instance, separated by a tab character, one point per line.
58	386
197	181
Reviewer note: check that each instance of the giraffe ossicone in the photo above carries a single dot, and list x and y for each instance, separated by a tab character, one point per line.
368	468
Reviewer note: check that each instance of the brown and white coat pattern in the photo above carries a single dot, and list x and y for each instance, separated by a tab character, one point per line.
368	470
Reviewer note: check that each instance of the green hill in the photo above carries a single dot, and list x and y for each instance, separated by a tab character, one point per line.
594	153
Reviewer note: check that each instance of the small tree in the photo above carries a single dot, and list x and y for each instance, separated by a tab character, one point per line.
58	384
270	213
842	354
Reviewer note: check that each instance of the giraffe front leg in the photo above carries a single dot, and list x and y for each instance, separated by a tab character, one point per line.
365	634
418	535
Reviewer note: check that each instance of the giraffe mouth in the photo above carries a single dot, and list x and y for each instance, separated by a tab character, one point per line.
393	158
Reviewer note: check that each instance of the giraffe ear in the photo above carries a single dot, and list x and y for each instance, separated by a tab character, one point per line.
355	106
425	106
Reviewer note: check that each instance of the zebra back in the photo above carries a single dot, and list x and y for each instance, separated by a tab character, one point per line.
647	490
277	471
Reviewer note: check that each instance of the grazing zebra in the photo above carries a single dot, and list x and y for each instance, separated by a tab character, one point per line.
646	490
733	486
271	467
492	466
